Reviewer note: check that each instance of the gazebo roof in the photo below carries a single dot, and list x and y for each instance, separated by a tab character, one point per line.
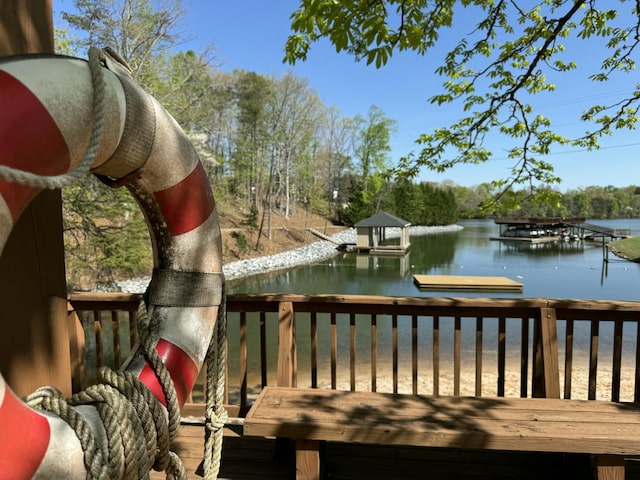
383	219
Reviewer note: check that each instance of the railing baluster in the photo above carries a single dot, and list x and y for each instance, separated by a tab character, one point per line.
352	351
374	352
479	332
636	386
457	349
436	355
524	357
593	359
115	328
242	351
263	349
568	359
414	354
314	350
502	353
394	341
133	330
97	325
334	350
616	365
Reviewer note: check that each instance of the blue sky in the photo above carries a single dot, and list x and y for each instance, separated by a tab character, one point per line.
251	34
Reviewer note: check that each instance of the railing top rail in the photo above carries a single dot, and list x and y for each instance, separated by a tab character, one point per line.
269	302
446	302
104	297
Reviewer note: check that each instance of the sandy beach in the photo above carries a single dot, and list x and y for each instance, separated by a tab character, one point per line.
385	383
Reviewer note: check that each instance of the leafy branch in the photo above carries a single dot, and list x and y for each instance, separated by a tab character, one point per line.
491	73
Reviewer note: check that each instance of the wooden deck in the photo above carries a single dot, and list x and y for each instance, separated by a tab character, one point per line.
246	458
312	417
436	346
252	458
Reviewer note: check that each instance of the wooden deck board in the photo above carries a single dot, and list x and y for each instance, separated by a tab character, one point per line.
545	425
246	458
465	282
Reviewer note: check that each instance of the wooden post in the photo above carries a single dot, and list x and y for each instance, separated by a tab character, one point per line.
77	350
609	467
307	459
550	352
34	344
546	379
287	346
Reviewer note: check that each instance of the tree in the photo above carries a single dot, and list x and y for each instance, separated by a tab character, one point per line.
184	86
407	201
250	91
372	142
356	208
105	234
372	149
333	156
491	72
293	111
136	29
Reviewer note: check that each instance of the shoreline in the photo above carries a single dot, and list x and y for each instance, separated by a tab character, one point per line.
310	253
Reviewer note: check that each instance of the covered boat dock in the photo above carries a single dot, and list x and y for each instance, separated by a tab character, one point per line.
539	229
544	229
371	234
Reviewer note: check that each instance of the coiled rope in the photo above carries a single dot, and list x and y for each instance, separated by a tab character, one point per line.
139	433
130	413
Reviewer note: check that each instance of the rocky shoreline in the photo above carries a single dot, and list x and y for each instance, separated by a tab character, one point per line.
313	252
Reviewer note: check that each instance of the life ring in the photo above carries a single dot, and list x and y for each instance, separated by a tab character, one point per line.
46	128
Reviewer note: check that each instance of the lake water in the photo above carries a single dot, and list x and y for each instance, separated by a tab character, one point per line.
573	269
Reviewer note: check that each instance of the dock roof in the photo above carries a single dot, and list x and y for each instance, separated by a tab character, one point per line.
383	219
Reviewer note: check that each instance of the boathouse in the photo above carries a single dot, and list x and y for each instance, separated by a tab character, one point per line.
371	234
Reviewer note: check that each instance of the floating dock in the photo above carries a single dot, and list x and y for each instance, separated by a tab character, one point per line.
463	282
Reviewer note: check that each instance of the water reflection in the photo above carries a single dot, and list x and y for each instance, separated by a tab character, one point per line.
513	247
435	251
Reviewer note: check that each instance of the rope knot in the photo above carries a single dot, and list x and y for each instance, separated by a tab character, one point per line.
216	421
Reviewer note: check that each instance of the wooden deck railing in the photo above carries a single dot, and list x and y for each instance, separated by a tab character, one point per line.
439	346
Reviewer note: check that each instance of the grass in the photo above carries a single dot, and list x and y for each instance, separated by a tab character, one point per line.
629	248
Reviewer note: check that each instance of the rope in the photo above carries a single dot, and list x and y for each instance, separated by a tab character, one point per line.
215	413
138	431
96	57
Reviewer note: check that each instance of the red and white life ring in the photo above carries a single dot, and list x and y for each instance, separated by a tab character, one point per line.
45	128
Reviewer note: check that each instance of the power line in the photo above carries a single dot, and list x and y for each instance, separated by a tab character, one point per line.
609	147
